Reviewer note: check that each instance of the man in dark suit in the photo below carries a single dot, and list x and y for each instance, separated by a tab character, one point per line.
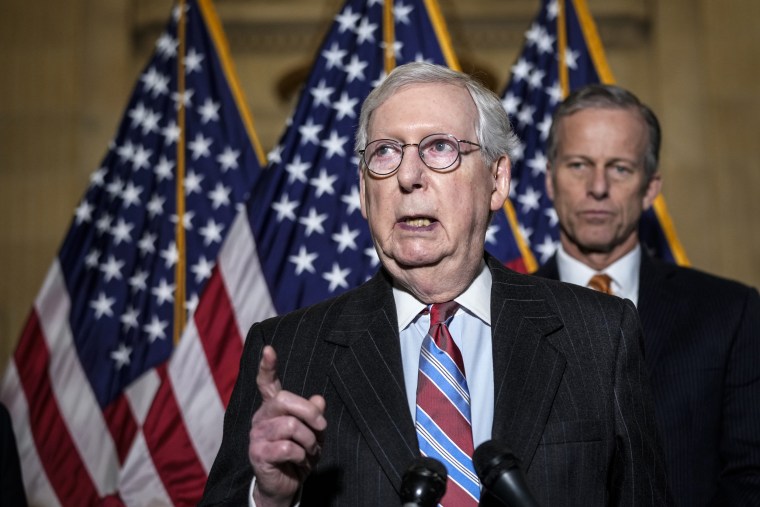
552	370
701	332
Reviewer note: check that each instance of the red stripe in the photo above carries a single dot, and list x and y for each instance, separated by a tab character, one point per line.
121	424
517	265
432	400
170	446
455	496
58	454
219	335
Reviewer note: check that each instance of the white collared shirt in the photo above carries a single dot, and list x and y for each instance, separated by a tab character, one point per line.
471	330
624	272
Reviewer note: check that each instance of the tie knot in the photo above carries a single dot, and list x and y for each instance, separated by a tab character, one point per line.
441	312
601	282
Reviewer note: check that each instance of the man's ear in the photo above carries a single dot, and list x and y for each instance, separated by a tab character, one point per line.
652	191
502	174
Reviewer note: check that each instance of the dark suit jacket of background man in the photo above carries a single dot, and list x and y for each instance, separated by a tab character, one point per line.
702	348
564	356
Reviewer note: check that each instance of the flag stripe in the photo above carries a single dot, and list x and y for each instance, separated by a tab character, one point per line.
140	481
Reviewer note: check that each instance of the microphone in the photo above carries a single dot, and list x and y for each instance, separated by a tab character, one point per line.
423	483
499	472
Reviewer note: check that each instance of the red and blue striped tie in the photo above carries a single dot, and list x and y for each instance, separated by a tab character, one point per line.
444	428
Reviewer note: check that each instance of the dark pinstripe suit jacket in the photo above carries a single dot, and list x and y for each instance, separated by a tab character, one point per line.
571	396
702	348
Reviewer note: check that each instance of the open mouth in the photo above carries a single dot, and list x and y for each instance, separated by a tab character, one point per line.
417	222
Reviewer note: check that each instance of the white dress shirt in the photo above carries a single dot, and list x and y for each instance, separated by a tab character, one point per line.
624	272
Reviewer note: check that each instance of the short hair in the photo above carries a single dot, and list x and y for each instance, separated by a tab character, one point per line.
493	130
603	96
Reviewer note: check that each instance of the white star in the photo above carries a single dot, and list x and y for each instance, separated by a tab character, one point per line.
537	164
322	94
275	156
529	200
185	99
155	206
346	238
525	233
104	223
92	259
192	304
551	214
126	151
209	111
313	222
200	146
112	268
555	93
164	292
187	220
155	329
170	255
304	261
397	46
365	31
545	43
517	154
121	356
228	159
202	269
211	232
147	244
536	79
83	212
164	169
149	79
334	145
102	306
309	132
131	195
193	183
323	183
571	58
137	114
525	116
171	133
511	103
345	106
352	200
336	277
122	231
401	13
533	34
544	127
355	69
374	260
521	69
491	233
97	178
150	122
546	249
347	20
193	61
129	318
115	188
285	208
297	170
220	196
139	280
167	46
334	56
552	10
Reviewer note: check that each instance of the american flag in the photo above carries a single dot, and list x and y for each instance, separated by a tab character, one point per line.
94	402
562	52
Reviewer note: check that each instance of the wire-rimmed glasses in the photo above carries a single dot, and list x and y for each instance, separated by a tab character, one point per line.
437	151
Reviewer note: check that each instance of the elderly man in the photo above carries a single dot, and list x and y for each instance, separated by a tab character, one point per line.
701	333
349	391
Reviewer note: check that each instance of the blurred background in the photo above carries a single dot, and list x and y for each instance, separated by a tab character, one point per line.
68	69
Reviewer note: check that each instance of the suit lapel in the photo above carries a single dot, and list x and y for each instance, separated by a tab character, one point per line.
658	307
528	369
368	376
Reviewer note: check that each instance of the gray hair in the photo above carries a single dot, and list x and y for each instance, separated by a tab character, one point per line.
601	96
493	129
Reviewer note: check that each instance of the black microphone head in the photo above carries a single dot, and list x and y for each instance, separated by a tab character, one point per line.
424	482
490	459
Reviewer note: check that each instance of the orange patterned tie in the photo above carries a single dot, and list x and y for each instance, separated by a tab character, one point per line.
601	282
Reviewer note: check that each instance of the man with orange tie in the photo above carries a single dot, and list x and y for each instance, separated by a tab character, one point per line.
444	348
701	332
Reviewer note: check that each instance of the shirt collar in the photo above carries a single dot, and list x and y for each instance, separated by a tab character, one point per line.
476	299
624	272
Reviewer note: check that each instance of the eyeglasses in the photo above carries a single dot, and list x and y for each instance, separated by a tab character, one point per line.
437	151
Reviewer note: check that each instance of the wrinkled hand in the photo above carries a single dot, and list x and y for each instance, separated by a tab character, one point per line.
285	437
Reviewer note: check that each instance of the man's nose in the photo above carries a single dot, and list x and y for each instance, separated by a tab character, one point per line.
411	171
598	184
